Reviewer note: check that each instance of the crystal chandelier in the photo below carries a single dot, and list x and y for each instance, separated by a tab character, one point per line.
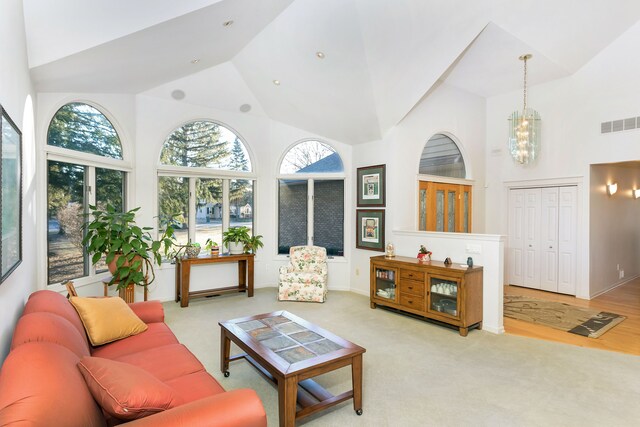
524	128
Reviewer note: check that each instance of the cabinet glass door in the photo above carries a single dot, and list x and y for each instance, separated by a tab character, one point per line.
444	296
385	281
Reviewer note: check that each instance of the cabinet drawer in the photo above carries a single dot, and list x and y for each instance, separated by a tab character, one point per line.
412	301
412	275
412	287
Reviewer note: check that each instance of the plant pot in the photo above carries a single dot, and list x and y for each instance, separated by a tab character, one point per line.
236	248
192	251
112	265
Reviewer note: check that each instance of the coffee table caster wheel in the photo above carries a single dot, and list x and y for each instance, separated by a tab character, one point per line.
358	411
226	374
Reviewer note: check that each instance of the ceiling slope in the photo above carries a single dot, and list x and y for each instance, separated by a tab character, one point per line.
160	53
331	97
60	28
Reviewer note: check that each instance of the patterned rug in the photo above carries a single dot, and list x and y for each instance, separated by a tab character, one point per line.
569	318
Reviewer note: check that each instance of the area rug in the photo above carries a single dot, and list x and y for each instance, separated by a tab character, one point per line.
569	318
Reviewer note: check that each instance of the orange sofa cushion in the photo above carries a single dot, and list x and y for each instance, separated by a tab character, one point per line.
156	335
107	319
49	327
125	391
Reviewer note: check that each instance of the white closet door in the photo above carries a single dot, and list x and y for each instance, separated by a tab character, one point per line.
532	238
516	237
549	239
567	241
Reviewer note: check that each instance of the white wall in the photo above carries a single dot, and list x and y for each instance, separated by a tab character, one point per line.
446	110
16	97
614	231
571	110
144	122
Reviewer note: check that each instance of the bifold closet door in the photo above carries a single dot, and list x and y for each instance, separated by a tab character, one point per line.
567	239
532	210
516	237
549	239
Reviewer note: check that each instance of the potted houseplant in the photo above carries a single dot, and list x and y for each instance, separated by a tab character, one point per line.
424	254
129	249
212	246
253	244
236	238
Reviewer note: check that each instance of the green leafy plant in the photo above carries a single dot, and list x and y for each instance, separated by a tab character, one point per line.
423	250
236	235
129	249
210	245
253	244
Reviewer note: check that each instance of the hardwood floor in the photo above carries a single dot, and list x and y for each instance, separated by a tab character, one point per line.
623	300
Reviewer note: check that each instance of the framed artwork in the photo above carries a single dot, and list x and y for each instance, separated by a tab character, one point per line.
11	198
370	229
371	186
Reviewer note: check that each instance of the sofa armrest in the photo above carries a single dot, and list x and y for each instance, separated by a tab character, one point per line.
148	311
236	408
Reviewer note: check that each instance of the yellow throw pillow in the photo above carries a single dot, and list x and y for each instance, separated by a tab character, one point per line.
107	319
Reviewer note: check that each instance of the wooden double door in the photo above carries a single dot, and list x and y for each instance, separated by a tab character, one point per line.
542	238
444	207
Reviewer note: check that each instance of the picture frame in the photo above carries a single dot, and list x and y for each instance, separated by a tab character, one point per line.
371	186
11	196
370	229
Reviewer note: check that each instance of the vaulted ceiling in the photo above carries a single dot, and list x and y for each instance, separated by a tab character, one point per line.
381	57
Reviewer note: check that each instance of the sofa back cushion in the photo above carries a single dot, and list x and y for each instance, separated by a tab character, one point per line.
40	385
53	302
308	258
49	327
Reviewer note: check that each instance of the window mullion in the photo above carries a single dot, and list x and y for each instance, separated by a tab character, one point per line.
310	196
192	209
226	208
89	199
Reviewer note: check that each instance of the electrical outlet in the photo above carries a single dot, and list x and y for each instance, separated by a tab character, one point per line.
357	271
621	274
474	249
618	267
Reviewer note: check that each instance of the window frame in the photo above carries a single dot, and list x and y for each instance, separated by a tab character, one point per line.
90	162
311	178
195	173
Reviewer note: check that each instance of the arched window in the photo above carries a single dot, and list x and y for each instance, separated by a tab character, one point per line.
445	200
311	198
76	178
205	181
441	156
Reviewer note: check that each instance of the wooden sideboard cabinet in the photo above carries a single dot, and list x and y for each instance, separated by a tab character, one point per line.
447	293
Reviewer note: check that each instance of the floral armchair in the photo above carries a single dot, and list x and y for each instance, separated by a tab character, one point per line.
305	278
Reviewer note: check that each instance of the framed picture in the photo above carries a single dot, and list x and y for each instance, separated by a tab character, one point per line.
370	229
371	186
11	198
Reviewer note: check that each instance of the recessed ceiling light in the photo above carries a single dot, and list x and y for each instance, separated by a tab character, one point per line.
245	108
195	61
227	23
276	82
320	54
178	94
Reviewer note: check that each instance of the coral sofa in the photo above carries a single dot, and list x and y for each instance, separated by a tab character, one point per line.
41	385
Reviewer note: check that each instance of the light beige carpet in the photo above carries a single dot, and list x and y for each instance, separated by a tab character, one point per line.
421	374
566	317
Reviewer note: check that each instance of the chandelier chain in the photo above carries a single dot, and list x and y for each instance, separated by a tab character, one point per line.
525	87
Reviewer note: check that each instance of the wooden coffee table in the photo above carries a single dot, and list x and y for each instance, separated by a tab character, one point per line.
290	351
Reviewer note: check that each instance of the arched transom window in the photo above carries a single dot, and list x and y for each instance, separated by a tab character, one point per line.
311	198
205	181
441	156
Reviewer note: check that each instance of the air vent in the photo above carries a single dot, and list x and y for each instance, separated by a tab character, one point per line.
630	123
619	125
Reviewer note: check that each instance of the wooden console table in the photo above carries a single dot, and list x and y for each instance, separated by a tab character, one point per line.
183	273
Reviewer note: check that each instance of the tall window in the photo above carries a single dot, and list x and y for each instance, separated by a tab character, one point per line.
205	182
84	166
311	198
444	204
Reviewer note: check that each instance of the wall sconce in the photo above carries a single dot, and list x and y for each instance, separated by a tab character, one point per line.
636	193
612	188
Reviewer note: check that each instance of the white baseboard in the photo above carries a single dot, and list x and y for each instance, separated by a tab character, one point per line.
624	282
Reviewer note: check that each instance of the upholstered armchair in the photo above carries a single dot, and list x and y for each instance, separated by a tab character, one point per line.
305	278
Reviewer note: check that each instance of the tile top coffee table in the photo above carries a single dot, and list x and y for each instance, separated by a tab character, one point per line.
290	351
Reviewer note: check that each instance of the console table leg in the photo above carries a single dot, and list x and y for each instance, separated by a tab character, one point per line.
184	284
250	277
287	397
356	379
